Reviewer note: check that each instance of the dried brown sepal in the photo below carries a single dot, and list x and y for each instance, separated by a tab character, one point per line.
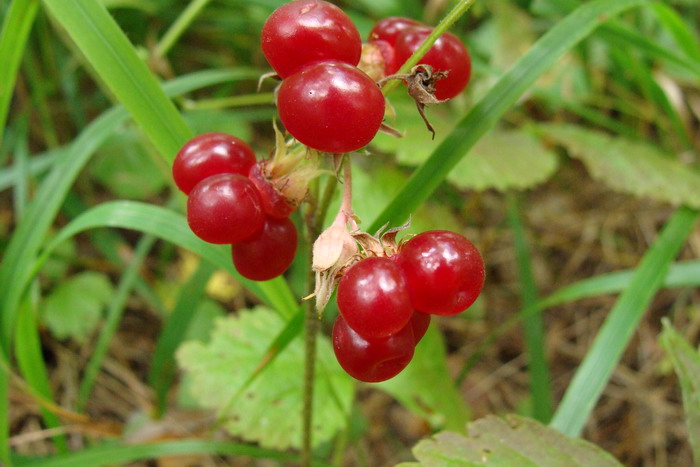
372	61
421	87
384	128
269	75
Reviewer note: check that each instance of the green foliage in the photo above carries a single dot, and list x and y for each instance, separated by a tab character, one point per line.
633	167
425	386
686	362
74	308
509	441
268	410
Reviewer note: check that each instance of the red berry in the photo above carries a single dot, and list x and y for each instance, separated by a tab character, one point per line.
448	53
224	208
419	322
371	360
444	272
373	299
305	31
273	201
267	253
331	106
210	154
388	29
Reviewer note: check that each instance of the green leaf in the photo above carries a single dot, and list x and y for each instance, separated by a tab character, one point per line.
628	166
503	160
686	362
74	308
426	388
268	411
125	166
509	441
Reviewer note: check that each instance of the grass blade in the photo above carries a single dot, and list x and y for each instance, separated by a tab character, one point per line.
13	38
533	327
109	51
600	361
496	102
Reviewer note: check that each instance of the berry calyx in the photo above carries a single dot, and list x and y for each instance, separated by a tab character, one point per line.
448	54
373	298
372	360
331	107
224	208
274	202
444	272
267	253
210	154
305	31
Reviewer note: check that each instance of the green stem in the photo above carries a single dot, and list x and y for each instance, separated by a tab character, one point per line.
179	26
439	30
233	101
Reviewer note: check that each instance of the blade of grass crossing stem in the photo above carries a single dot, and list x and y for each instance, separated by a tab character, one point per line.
13	39
111	54
533	326
600	361
117	453
172	227
504	94
114	315
177	322
32	366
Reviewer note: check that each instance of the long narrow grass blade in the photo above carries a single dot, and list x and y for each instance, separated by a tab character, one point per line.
111	54
162	370
117	453
172	227
600	361
13	38
114	314
496	102
533	326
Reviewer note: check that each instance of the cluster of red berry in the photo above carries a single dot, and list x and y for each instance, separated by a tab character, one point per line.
398	38
324	101
385	303
231	201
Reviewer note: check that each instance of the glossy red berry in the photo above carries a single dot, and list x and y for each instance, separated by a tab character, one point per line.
419	323
373	299
372	360
224	208
444	272
273	201
388	29
210	154
305	31
267	253
331	106
448	53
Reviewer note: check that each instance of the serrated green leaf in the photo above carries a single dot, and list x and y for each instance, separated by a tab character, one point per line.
509	441
633	167
686	362
126	168
503	160
268	411
426	388
74	308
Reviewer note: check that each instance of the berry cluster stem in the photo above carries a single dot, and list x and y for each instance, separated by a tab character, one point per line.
312	319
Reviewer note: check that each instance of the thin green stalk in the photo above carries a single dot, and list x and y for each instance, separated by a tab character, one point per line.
540	390
612	339
263	98
114	314
179	26
442	27
13	38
